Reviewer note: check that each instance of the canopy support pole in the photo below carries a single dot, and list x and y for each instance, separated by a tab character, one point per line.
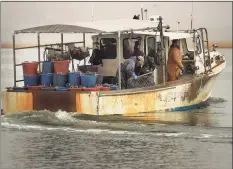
194	46
14	60
38	39
164	60
61	42
119	59
84	45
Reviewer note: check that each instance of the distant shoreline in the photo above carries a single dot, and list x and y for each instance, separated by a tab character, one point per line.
219	44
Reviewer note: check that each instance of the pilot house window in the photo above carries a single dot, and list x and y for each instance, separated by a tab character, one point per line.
151	46
128	47
108	48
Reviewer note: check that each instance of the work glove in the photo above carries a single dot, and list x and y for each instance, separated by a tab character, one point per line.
182	72
134	76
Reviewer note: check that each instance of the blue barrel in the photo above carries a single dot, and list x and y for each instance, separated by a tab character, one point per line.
47	67
31	80
99	79
74	79
88	80
59	79
46	79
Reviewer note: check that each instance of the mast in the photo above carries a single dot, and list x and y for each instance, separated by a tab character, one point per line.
92	13
142	10
160	28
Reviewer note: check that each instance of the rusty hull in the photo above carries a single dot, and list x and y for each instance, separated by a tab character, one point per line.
125	102
17	101
54	100
186	92
180	95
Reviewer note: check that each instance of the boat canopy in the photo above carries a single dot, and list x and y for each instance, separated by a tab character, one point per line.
58	28
104	26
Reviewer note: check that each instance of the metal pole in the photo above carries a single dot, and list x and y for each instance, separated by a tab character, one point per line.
194	46
38	38
14	61
119	59
192	17
146	13
61	42
84	45
203	48
177	27
207	45
142	11
92	13
162	53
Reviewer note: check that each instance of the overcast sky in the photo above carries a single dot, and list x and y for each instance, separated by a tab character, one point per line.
216	16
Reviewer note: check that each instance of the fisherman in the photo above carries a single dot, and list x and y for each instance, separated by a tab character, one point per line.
149	66
174	63
145	75
137	51
128	69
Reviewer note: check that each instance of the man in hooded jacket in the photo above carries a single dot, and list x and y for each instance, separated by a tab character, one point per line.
128	69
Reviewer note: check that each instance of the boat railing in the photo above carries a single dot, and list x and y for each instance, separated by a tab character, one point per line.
47	45
205	49
62	46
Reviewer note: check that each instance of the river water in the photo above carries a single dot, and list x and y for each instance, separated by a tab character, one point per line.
46	140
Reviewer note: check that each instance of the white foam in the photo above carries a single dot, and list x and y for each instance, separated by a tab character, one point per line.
206	135
95	131
20	126
64	116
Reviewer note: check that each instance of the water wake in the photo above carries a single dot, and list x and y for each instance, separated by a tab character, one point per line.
73	122
215	100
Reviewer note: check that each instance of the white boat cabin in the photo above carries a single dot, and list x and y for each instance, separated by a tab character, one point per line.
193	62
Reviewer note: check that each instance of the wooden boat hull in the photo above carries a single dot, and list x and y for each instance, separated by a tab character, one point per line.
186	93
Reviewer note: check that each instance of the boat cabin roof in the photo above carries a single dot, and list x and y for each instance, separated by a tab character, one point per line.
171	35
101	26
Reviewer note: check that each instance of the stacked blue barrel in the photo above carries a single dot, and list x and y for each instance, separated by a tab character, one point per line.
56	74
60	76
30	74
46	77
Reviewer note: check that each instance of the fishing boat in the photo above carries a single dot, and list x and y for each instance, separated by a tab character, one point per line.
202	66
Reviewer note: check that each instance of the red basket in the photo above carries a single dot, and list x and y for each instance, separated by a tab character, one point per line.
35	87
61	66
102	88
92	89
30	68
105	88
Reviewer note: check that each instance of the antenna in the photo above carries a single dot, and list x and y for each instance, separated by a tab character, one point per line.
146	13
92	13
192	16
177	28
142	10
